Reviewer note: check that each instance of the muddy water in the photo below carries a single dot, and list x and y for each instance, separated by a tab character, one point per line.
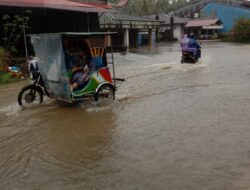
172	126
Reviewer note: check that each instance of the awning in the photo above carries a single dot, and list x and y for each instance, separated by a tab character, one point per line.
56	4
215	27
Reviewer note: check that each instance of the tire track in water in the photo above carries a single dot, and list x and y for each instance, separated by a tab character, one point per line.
145	94
137	87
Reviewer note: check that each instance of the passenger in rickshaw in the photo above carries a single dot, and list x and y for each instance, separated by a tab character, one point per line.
76	53
79	55
80	70
80	77
83	68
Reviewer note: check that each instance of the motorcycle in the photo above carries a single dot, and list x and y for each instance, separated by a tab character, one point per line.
188	57
33	93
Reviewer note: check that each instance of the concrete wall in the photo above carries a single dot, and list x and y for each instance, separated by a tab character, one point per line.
178	32
227	14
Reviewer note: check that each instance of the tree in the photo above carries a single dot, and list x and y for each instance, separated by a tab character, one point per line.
147	7
241	30
13	28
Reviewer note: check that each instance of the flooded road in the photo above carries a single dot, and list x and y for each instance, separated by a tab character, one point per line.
172	126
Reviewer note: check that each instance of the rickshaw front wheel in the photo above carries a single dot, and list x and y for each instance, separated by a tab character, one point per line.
106	93
30	95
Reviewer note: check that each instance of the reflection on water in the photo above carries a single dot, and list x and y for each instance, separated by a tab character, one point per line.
81	141
53	142
172	126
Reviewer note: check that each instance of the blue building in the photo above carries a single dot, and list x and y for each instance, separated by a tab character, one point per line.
226	13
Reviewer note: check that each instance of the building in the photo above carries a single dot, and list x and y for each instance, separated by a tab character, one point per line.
228	14
204	28
130	29
171	26
49	16
193	9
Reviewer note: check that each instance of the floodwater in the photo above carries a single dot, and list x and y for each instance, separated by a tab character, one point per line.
172	126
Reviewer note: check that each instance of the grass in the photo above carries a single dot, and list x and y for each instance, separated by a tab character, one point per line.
6	78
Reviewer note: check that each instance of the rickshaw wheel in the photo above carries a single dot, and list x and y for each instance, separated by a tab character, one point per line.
29	95
106	93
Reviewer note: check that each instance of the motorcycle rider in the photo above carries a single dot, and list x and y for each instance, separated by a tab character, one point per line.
193	44
190	45
185	43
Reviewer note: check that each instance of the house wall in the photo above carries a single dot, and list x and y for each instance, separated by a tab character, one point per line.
178	32
227	14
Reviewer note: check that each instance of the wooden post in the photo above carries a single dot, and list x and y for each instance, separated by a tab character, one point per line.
150	37
25	42
171	27
126	38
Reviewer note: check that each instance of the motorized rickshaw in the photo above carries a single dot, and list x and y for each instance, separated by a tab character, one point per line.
57	54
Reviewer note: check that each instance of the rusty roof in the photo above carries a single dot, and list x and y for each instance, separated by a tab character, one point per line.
203	22
56	4
165	18
124	17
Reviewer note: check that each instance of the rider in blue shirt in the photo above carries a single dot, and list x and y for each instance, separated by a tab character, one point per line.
194	45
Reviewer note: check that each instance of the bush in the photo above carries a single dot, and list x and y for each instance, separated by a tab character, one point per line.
241	31
2	55
6	78
225	37
5	59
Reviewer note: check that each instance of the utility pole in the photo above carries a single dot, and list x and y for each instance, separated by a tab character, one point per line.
172	26
25	42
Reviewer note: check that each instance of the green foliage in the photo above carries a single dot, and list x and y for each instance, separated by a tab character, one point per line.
13	27
6	78
241	31
5	58
2	55
148	7
225	37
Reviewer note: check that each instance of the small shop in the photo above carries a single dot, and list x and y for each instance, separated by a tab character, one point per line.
204	29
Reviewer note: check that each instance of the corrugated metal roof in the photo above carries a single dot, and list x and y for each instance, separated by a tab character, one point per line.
55	4
202	22
124	17
166	19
